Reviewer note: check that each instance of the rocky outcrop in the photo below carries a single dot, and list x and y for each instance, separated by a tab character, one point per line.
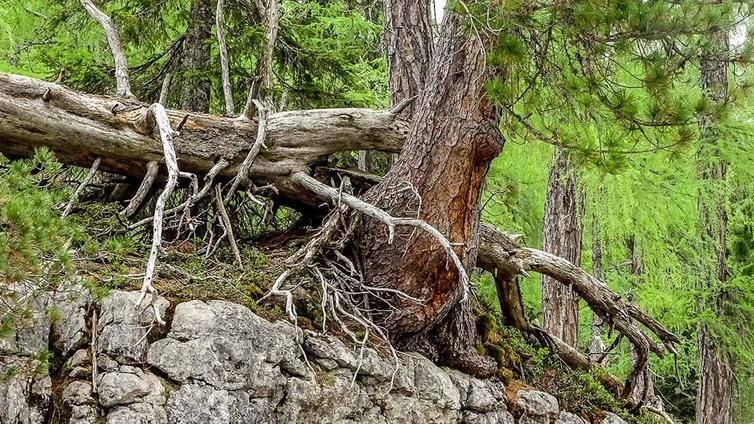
217	362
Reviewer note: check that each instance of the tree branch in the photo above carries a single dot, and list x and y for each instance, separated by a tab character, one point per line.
224	65
123	86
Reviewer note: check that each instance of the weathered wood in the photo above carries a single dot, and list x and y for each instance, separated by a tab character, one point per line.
562	233
123	86
80	127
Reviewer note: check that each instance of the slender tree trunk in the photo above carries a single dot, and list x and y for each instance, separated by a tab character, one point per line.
410	44
563	231
714	399
438	176
644	390
195	90
597	346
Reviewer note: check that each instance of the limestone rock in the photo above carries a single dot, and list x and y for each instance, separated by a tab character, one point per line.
569	418
197	404
72	300
24	396
501	417
122	327
78	396
611	418
536	407
130	385
141	413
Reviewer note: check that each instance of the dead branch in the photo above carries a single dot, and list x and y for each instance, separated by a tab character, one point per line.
165	89
166	136
143	191
243	170
80	188
224	66
226	223
501	254
123	86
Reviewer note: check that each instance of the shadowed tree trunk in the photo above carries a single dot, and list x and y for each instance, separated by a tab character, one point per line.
195	90
438	176
562	236
644	390
714	399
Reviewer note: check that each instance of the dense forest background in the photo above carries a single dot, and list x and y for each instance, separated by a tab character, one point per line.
633	144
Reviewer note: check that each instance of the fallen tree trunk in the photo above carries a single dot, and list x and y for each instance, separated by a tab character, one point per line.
79	127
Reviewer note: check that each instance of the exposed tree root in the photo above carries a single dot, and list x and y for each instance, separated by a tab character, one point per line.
505	259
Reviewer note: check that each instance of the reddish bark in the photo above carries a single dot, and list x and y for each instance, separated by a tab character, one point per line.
453	138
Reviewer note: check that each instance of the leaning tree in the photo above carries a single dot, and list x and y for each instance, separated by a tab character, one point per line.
392	260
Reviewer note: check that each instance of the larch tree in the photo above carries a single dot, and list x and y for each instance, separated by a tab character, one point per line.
715	395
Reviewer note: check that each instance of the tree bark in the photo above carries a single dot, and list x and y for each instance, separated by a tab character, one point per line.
715	396
439	176
409	49
408	32
562	236
195	90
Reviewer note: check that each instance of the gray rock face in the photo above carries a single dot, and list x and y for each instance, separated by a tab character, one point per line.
72	300
611	418
123	328
24	397
219	363
569	418
536	407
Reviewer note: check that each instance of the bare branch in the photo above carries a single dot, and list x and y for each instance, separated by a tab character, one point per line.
226	223
166	136
123	86
243	170
80	188
165	89
224	65
143	190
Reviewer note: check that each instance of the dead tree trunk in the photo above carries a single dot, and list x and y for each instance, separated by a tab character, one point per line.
714	399
644	391
438	177
195	91
562	236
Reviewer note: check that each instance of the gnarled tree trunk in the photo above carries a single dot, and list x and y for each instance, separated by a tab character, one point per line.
715	396
563	231
438	176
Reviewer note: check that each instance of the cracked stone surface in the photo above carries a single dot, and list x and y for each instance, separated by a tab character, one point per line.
217	362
